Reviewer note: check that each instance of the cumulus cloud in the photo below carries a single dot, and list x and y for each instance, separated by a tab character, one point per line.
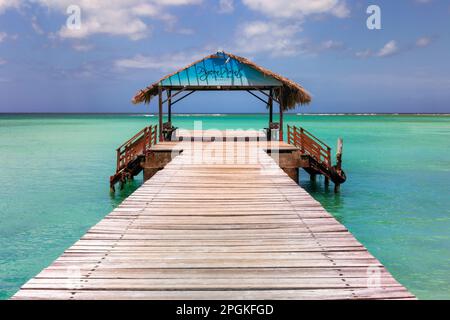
299	8
113	17
277	39
268	37
389	49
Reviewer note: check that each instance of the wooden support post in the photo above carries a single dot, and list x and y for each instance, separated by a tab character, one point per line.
339	154
337	186
270	103
281	114
122	183
302	138
169	105
161	137
312	177
327	181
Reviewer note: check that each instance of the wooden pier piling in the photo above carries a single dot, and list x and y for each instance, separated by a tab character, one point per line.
337	186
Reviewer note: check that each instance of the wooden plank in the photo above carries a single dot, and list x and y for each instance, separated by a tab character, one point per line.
203	284
324	294
55	272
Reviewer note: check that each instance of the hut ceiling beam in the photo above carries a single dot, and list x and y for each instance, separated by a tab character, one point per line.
175	94
270	96
181	98
257	97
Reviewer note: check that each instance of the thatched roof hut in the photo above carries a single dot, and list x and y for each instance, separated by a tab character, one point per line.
226	71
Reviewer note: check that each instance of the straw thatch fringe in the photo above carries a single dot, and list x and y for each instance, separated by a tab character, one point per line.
292	93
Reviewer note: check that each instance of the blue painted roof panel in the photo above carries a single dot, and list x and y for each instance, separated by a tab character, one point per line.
220	70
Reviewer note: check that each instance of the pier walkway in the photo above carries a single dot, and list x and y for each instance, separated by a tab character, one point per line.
217	228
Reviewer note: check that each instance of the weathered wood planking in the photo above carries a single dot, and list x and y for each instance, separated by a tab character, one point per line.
212	229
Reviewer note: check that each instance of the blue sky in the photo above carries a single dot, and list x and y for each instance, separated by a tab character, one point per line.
325	45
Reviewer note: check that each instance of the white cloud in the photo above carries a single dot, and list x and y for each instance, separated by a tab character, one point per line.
389	49
278	39
177	2
364	54
423	42
82	47
281	37
309	47
341	10
7	4
115	17
4	36
35	25
331	45
226	6
165	62
298	8
268	37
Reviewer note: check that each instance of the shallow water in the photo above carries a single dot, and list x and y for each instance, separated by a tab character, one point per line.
54	173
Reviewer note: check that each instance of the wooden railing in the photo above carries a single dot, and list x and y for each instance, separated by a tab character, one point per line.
309	144
137	145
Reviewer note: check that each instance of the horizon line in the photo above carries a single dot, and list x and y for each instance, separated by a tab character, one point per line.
225	113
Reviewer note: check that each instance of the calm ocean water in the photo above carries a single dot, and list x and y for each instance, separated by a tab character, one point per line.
54	172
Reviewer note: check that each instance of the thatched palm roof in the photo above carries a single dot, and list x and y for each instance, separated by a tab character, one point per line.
292	93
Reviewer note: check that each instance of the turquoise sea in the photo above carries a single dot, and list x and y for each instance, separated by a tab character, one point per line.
54	172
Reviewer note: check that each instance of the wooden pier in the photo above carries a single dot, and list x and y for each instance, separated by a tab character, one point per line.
221	214
214	226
